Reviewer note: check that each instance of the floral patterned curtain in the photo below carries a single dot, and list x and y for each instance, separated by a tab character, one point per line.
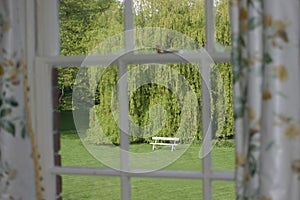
19	165
265	35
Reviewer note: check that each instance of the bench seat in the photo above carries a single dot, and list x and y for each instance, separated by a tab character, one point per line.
159	141
167	144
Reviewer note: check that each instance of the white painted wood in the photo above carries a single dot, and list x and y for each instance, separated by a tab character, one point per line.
47	44
30	56
206	130
47	28
165	138
44	123
84	171
105	60
210	26
128	25
158	141
48	51
74	60
124	130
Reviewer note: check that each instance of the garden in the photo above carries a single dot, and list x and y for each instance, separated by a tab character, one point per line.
74	153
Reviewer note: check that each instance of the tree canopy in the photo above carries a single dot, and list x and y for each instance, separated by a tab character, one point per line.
84	24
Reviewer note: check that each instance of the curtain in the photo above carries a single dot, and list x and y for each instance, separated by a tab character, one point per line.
19	165
266	67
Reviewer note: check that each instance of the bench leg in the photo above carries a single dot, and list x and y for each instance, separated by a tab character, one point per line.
153	147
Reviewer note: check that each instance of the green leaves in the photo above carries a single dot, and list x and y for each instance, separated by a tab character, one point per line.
8	119
24	131
252	165
8	126
267	58
255	22
13	103
85	24
5	112
10	101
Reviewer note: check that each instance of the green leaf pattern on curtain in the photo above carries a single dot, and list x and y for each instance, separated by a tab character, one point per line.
265	58
18	177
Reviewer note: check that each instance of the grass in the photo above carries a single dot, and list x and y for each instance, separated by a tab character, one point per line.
108	188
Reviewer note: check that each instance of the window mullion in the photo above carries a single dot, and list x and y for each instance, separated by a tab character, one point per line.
124	102
48	50
210	32
112	59
47	44
128	25
44	122
176	174
206	112
47	28
30	54
206	130
124	130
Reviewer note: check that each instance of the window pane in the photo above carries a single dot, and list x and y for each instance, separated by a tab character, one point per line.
223	156
165	102
85	24
87	128
184	16
164	189
156	109
222	117
223	190
143	157
222	26
73	153
90	188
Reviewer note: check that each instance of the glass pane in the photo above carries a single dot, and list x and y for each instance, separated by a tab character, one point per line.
86	136
90	188
143	157
222	26
223	155
165	102
186	17
165	189
223	190
86	24
90	136
73	153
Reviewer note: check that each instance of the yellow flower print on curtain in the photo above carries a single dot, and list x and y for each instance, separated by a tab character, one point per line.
265	57
281	72
247	25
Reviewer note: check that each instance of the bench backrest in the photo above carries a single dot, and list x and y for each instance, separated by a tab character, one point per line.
165	138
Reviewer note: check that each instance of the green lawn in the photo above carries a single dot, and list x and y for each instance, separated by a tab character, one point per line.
108	188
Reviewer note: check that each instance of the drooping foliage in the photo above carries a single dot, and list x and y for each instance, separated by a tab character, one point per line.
83	25
86	25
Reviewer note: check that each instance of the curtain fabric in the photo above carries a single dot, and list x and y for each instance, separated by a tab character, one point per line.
266	66
19	168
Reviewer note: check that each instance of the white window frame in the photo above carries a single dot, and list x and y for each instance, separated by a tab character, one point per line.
43	55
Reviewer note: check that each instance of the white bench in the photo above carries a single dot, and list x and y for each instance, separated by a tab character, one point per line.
159	141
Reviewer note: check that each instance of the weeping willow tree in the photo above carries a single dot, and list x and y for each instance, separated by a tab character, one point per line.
186	17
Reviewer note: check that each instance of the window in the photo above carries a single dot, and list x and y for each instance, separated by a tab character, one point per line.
48	59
